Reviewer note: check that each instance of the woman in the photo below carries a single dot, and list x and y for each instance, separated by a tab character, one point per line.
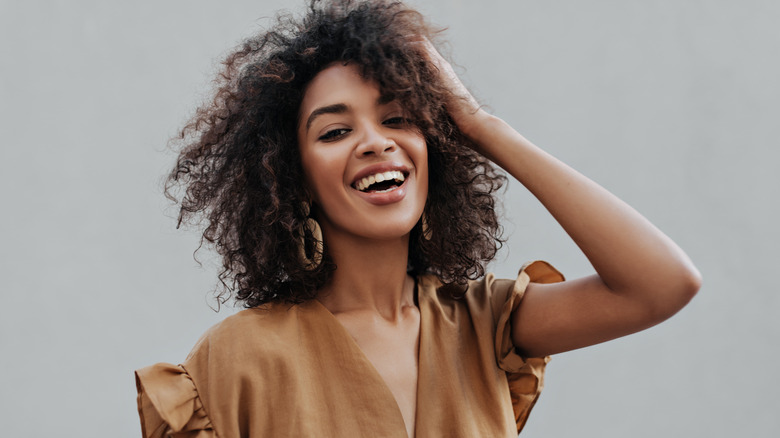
346	176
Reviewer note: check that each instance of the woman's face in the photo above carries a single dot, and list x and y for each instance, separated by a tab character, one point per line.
366	167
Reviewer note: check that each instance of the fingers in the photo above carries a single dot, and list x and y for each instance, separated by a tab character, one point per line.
463	104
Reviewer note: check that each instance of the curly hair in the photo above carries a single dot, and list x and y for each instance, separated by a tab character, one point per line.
239	166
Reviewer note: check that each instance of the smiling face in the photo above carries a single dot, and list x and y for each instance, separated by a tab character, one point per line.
365	165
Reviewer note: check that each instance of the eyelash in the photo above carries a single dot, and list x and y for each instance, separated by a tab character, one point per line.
335	134
395	121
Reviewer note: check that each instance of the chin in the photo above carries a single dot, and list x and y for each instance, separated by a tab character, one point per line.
390	231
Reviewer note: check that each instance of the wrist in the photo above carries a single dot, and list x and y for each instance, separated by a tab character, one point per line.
478	125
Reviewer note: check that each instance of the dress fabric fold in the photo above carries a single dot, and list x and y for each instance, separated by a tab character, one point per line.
169	404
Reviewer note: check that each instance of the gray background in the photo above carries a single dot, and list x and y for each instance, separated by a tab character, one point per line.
672	105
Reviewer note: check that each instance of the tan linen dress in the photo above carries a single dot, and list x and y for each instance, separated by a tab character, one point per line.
283	370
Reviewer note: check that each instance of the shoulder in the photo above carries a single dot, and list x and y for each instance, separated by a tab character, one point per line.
270	316
263	331
497	292
243	354
487	294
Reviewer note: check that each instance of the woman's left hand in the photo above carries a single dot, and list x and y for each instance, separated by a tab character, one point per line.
462	106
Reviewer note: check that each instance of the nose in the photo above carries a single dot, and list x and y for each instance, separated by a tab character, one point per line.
374	142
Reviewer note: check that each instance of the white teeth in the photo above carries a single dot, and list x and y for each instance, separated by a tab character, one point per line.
363	183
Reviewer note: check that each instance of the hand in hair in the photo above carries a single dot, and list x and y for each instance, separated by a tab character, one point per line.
462	106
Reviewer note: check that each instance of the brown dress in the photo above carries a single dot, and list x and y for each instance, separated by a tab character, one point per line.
284	370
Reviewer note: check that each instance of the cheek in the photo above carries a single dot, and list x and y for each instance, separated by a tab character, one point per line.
421	163
312	175
321	174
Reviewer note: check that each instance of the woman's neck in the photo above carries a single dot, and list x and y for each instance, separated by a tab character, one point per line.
370	276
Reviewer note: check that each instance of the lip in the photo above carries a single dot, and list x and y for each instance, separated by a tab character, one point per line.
387	197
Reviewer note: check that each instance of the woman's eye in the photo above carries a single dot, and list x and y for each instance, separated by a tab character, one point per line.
334	134
396	121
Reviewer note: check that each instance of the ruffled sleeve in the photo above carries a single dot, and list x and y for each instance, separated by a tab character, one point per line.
525	375
169	405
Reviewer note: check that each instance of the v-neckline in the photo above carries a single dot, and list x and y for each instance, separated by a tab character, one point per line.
353	345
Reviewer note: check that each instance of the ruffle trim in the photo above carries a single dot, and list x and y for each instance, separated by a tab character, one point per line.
169	405
525	375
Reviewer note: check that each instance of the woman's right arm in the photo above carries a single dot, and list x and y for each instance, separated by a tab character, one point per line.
642	277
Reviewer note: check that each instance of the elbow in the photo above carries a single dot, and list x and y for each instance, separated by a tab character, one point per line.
680	290
689	284
693	283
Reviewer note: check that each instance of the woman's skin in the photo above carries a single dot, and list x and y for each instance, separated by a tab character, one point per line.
346	130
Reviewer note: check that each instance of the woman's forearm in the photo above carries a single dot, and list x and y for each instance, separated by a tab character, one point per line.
631	256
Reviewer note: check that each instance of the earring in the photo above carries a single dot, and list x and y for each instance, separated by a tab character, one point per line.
314	228
426	230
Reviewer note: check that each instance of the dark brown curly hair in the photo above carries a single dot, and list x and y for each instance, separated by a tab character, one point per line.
239	166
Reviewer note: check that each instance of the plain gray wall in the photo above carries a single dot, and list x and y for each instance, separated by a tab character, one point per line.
672	105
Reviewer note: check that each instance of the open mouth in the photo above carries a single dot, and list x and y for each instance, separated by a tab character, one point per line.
381	182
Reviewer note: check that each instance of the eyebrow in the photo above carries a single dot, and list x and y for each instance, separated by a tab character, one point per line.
340	108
